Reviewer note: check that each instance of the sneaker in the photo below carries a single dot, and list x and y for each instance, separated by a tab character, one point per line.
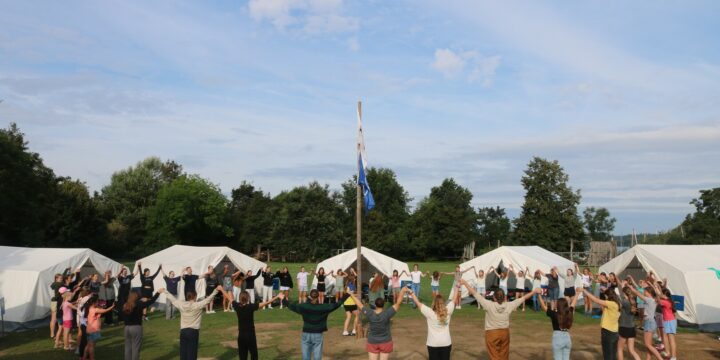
458	307
353	333
345	333
146	318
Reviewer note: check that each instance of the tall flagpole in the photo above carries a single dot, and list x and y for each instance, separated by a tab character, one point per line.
358	211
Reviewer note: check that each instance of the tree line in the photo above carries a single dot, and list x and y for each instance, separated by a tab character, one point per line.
155	204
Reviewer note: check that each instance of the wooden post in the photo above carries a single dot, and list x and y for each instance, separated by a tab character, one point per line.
358	214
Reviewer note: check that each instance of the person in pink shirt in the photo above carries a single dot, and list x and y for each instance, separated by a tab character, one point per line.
669	322
93	326
67	317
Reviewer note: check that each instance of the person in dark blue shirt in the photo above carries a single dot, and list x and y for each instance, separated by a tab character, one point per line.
171	286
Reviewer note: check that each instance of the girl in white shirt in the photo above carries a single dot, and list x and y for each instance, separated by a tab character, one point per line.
480	283
435	283
439	343
302	276
416	275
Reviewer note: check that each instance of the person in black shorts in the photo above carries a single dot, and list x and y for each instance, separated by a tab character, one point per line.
626	329
321	285
211	282
189	279
245	310
148	287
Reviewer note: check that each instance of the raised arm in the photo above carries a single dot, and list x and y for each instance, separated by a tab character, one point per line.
139	271
102	311
227	295
280	296
210	298
156	272
414	298
469	288
511	269
575	298
468	269
543	305
399	299
594	299
493	270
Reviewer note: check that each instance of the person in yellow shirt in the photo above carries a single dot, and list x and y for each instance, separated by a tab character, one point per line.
609	321
351	308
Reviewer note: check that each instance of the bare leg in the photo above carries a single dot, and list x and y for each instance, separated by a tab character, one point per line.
621	348
631	349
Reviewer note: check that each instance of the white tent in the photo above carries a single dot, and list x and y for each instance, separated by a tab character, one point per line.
178	257
26	275
371	261
521	257
691	271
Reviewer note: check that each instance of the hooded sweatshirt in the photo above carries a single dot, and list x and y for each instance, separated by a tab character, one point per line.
497	316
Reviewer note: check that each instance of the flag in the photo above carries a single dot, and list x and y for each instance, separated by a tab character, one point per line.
368	200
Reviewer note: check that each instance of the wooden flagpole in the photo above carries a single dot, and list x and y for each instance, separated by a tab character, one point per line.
358	211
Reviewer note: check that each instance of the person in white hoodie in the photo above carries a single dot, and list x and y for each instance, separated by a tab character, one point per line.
497	320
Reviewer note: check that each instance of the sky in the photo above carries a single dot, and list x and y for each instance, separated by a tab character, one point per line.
626	96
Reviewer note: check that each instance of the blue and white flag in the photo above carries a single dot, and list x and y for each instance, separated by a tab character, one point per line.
368	200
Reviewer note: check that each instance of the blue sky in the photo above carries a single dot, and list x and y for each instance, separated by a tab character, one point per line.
625	96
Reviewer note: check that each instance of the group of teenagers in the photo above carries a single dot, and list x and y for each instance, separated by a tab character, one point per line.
80	303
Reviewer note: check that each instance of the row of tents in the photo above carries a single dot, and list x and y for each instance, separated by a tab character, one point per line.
693	272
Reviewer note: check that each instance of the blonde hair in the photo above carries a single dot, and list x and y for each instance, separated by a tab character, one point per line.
438	306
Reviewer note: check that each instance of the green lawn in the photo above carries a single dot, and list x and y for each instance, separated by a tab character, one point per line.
161	337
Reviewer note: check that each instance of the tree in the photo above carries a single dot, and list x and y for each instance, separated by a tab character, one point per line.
77	221
251	216
190	211
383	227
703	226
549	215
494	226
306	224
444	222
599	224
126	200
27	189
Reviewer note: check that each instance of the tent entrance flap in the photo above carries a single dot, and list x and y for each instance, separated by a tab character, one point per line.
368	269
634	269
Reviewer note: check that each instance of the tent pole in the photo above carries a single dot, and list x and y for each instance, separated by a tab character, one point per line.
358	217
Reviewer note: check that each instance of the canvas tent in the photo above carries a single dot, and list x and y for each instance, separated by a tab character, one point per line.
178	257
692	272
26	275
521	257
372	261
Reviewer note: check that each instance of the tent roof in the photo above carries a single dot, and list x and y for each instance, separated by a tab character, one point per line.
685	258
382	262
35	259
533	257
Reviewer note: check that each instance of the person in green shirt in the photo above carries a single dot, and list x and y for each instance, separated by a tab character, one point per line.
314	316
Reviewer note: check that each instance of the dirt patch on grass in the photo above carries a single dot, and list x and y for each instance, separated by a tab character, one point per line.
529	340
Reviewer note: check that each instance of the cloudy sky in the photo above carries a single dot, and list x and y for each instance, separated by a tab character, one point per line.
625	95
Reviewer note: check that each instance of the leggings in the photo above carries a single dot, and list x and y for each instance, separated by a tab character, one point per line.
247	343
83	340
439	353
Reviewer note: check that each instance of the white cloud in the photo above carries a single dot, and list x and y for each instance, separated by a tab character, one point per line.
448	62
310	16
452	64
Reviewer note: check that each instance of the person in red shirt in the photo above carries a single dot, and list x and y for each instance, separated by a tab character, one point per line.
93	326
669	322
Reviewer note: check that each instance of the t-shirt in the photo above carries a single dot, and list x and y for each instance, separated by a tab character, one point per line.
497	316
339	282
650	306
379	330
211	281
553	315
503	283
395	281
536	283
667	312
302	278
627	319
350	301
415	276
227	281
640	300
610	316
434	282
66	311
245	316
569	281
586	280
190	281
93	321
552	281
94	286
438	332
107	290
171	284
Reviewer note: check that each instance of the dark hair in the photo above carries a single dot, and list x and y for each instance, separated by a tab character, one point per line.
651	291
314	294
131	302
379	302
565	314
244	298
436	274
499	296
668	294
610	295
190	295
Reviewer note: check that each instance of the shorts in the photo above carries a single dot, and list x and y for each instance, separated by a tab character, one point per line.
649	325
67	324
321	287
94	337
209	291
350	308
435	288
569	291
284	288
396	289
382	348
670	326
302	288
554	293
228	287
627	332
53	306
640	305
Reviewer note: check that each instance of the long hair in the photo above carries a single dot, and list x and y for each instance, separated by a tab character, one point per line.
436	275
377	283
130	302
633	304
650	290
438	306
565	315
244	298
610	295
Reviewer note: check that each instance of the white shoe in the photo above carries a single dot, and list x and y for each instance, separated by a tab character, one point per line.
345	333
353	333
458	307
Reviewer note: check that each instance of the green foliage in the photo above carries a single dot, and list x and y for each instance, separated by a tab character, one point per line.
549	215
444	222
191	211
383	227
599	224
703	226
306	225
251	217
494	227
126	200
77	222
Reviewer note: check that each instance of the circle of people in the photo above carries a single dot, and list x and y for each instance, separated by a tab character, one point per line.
79	304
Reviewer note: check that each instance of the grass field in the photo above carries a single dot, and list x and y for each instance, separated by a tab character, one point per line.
279	335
